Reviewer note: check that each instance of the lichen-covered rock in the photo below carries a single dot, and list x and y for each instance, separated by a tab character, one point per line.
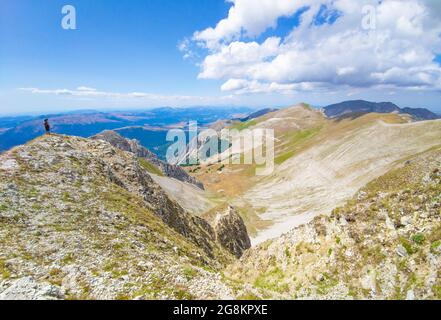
231	232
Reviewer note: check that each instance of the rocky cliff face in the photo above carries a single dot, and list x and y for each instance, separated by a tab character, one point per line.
135	147
82	219
231	232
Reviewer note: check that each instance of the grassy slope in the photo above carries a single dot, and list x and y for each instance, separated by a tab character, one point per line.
151	168
293	129
297	130
332	165
384	243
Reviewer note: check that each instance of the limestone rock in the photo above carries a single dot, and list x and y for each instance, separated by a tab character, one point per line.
231	232
81	219
27	288
401	251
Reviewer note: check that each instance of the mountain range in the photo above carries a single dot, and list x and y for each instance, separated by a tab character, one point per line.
351	211
363	107
150	127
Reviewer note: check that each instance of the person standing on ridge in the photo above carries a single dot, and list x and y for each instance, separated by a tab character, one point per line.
47	126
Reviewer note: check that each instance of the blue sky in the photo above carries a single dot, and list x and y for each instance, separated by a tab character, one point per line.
125	47
118	46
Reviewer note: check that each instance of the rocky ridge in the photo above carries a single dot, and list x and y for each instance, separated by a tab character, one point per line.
80	218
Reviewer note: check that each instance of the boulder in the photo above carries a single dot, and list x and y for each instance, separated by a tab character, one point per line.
27	288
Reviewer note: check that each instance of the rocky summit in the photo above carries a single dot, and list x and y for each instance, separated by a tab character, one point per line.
231	232
81	219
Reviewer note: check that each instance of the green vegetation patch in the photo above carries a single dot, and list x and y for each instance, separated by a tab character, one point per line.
437	291
293	142
410	249
147	165
326	284
287	253
158	286
272	280
418	238
68	259
307	106
248	296
189	272
435	245
243	125
4	272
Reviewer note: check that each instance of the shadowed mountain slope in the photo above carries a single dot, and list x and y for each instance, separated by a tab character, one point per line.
385	243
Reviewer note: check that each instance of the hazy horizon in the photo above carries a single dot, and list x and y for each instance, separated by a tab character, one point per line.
37	113
217	53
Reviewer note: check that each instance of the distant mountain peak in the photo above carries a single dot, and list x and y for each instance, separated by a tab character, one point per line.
361	106
258	114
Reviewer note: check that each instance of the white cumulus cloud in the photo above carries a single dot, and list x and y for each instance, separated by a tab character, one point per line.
331	47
